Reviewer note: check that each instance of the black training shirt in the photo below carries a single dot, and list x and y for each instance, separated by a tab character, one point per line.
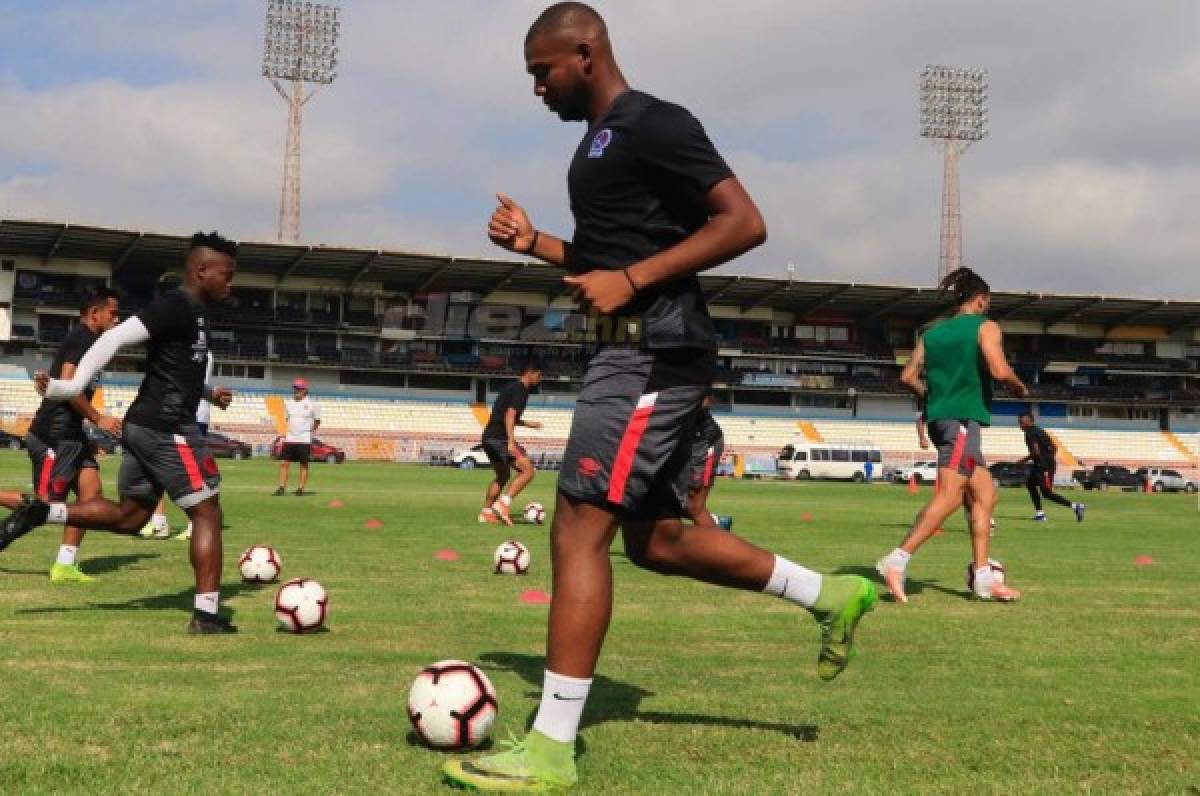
176	360
514	396
637	184
707	429
56	421
1041	447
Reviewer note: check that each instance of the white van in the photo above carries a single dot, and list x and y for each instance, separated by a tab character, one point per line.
805	459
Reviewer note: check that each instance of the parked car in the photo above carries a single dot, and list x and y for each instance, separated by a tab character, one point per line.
1105	476
921	471
470	458
1164	480
11	441
1009	473
320	451
221	446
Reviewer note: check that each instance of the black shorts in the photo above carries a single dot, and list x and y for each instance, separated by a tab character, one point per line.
1041	476
706	457
296	452
959	445
630	446
178	464
497	451
55	467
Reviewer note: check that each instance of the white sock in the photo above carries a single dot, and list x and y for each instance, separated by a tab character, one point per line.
66	554
58	513
159	521
794	583
897	559
984	578
208	602
562	704
506	500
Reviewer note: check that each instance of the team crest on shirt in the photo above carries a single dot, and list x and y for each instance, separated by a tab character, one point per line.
600	143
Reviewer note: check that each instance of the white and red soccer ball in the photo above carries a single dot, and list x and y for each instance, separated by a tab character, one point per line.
511	558
301	605
997	573
452	705
534	512
260	564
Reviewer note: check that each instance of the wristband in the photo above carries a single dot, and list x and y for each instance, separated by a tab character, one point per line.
630	279
533	244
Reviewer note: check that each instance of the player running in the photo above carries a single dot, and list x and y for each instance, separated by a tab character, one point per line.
923	441
58	448
653	204
500	445
1042	463
708	445
163	448
961	356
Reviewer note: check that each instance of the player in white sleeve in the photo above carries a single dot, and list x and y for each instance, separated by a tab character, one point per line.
303	418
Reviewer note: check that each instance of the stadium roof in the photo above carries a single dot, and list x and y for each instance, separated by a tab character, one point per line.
414	273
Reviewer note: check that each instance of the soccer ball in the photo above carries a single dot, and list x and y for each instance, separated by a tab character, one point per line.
535	513
452	705
260	564
301	605
997	573
511	558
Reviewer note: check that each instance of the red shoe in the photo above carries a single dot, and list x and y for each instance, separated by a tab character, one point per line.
501	511
894	578
1004	594
488	516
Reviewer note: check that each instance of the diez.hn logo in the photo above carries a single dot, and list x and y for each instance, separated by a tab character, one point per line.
600	143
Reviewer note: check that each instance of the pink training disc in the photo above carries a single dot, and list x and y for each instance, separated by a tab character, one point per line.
534	597
373	524
806	517
1143	561
336	504
446	555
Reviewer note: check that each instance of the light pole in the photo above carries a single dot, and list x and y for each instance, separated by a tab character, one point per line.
300	47
953	116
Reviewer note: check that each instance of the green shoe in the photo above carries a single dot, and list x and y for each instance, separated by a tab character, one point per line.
534	765
842	602
147	530
68	573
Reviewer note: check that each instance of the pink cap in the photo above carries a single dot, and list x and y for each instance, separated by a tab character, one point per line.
299	384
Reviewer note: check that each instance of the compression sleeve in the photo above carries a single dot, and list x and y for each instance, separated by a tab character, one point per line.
131	332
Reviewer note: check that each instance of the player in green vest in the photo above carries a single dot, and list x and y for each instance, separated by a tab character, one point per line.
960	356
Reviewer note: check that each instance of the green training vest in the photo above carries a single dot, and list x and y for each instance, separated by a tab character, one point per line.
960	387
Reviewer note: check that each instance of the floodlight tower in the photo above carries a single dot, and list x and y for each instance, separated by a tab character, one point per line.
953	116
300	47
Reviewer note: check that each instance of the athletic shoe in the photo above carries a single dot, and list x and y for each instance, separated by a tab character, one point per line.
501	511
29	514
68	573
1004	594
1039	517
300	493
162	533
725	523
488	516
842	603
533	765
206	624
186	535
147	530
279	491
1079	509
894	578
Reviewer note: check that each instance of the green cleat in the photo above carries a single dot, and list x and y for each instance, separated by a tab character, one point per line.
147	531
534	765
843	601
69	573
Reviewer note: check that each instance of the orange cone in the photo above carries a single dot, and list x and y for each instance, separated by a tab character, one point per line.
912	484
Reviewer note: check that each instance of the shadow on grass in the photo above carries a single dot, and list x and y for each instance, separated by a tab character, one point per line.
912	586
613	700
181	600
92	566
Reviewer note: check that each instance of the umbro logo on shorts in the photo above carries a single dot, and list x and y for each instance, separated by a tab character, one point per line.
588	467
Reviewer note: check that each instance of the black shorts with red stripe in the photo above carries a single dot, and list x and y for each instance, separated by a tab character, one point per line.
959	445
706	457
630	445
178	464
56	465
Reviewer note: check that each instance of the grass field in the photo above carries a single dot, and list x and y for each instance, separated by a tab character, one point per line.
1090	684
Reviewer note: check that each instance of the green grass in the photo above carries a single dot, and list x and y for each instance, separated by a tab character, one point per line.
1089	684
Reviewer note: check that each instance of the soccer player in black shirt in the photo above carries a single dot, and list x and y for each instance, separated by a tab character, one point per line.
500	445
59	450
164	450
1042	464
654	204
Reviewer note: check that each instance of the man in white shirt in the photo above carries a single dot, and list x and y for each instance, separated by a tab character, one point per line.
303	418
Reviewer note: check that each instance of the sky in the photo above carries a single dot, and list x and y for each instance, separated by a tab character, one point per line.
152	115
